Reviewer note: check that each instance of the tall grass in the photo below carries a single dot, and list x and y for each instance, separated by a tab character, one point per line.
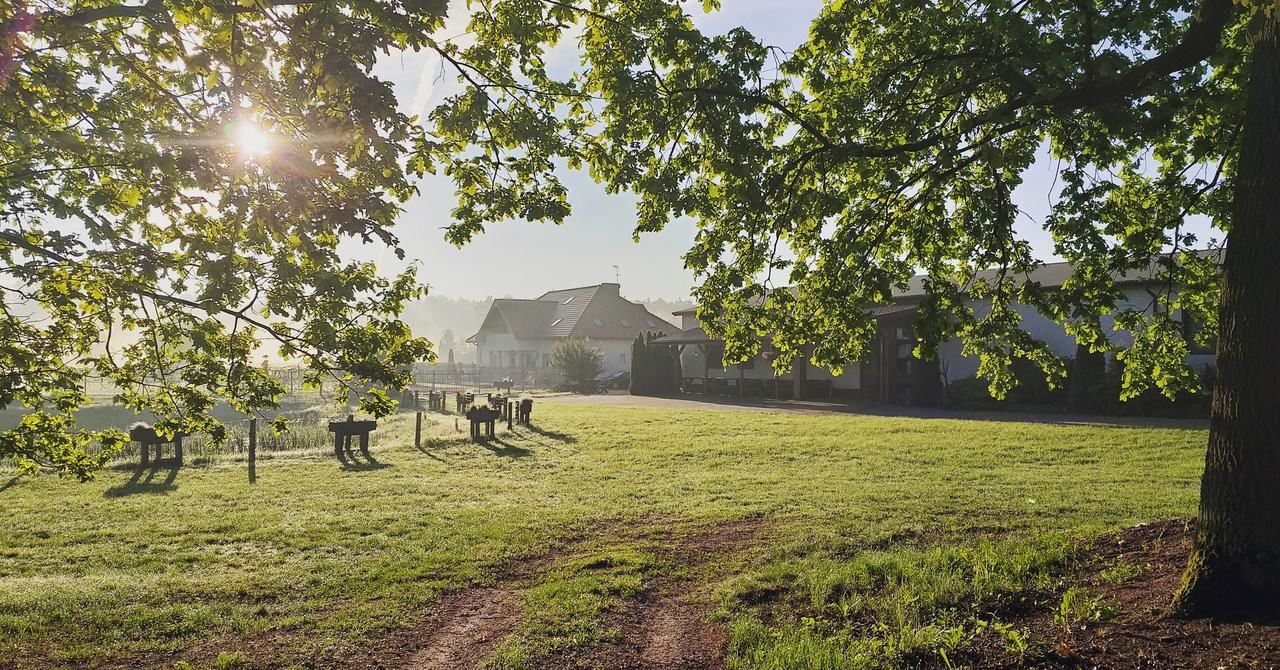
299	438
886	608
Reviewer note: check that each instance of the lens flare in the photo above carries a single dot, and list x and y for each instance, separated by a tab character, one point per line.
250	140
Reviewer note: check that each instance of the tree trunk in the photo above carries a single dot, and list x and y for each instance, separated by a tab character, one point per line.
1235	566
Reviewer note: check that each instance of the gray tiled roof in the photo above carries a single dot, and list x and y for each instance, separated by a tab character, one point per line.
596	312
570	304
525	318
1051	275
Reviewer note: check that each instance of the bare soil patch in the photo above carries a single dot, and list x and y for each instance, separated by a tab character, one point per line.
1142	636
462	631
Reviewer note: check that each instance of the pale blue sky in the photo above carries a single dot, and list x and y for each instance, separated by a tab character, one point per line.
524	259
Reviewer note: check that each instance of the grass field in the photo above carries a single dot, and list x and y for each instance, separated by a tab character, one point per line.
903	522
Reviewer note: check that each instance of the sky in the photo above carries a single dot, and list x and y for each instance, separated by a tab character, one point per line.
521	259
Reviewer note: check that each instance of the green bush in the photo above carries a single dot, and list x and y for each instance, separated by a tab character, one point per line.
579	364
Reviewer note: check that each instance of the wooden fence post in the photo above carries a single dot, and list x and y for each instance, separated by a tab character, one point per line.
253	450
417	430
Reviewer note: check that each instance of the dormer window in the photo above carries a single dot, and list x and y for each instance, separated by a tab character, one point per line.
598	322
556	322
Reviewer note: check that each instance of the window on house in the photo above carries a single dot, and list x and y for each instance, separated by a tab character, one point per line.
598	322
569	300
626	324
556	322
546	360
650	323
622	358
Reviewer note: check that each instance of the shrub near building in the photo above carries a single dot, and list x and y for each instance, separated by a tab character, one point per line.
579	363
655	368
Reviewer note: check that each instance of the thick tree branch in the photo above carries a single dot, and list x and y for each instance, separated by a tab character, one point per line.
760	99
1202	40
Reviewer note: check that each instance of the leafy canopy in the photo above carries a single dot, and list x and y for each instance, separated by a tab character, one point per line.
890	142
177	183
142	245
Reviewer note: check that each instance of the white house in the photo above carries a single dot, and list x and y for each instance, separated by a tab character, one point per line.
892	374
518	336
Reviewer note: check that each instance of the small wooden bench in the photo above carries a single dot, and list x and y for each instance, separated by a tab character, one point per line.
343	431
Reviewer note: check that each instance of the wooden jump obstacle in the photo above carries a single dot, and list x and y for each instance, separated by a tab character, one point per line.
463	401
504	385
435	401
524	412
343	431
146	437
482	416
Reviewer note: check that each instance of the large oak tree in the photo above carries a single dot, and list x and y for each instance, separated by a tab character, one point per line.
891	142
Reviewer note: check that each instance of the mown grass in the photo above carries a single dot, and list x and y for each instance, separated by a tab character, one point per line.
865	512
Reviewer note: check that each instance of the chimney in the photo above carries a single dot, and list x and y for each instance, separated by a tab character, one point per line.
610	289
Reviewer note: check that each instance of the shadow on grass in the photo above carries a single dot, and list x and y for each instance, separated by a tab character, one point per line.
9	484
147	480
358	462
429	446
506	449
554	435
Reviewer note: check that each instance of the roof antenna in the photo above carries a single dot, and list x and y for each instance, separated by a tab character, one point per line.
617	275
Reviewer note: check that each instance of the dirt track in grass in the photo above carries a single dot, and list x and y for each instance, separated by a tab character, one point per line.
464	629
669	625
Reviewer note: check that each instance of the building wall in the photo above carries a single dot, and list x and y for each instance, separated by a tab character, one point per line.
494	350
952	364
957	366
617	355
693	364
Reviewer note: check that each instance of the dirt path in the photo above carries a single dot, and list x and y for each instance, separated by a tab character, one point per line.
666	628
669	627
466	628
